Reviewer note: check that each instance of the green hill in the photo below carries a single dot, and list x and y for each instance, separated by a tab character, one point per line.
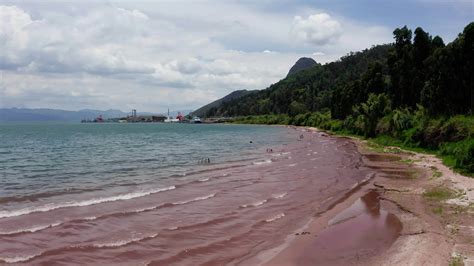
210	109
412	71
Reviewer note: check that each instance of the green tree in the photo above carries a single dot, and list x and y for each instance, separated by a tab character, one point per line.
370	112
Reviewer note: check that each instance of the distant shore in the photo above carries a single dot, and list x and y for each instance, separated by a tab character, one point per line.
433	204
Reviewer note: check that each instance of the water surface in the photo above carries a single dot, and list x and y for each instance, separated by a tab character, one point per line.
141	194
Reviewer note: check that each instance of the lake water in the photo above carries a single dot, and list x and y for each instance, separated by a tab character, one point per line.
145	193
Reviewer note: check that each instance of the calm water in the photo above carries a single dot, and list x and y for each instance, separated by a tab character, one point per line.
133	194
41	160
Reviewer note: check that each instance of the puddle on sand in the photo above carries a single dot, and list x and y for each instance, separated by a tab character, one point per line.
399	174
361	231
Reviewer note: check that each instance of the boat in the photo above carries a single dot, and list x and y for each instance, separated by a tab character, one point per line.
178	118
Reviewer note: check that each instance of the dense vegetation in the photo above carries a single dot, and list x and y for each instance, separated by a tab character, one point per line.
417	92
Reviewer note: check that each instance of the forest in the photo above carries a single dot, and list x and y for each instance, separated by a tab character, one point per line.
417	92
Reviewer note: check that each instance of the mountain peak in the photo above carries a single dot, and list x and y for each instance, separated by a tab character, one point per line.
302	64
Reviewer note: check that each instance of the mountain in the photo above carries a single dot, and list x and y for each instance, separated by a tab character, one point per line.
302	64
416	71
209	109
308	89
43	114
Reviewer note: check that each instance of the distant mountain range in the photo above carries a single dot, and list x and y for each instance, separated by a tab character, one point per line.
44	114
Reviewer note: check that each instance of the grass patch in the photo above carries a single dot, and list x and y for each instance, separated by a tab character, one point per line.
412	174
409	161
436	174
375	147
456	261
438	210
439	194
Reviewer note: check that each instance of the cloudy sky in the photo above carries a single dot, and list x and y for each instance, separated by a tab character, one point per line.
151	55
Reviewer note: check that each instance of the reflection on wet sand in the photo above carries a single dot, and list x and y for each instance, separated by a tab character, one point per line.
360	231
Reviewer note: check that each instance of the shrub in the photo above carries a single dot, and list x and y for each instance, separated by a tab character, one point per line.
462	152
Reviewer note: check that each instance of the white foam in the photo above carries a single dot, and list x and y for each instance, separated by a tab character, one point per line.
29	230
255	204
119	243
54	206
19	258
279	196
204	179
274	218
124	242
143	210
292	165
195	199
173	228
262	162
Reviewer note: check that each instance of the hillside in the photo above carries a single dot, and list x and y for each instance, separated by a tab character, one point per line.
306	90
412	71
209	109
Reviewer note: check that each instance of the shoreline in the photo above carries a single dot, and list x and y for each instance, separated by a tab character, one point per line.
435	230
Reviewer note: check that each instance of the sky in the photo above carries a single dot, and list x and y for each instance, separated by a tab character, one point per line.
155	55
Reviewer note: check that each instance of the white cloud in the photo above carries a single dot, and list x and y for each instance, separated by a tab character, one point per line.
318	53
317	29
154	55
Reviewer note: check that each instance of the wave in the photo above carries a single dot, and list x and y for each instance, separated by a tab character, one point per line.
37	196
262	162
279	196
195	199
274	218
54	206
29	230
21	258
92	218
113	244
124	242
255	204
